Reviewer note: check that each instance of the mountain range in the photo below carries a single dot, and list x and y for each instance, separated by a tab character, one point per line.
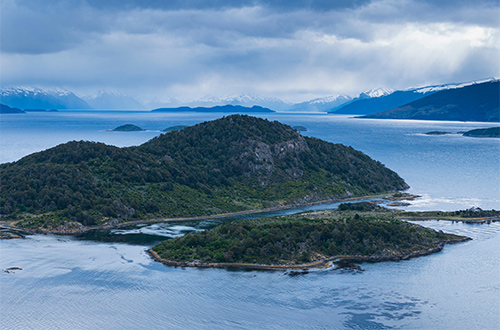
475	102
37	98
366	103
113	100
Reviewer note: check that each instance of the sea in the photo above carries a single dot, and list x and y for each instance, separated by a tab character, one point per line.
105	280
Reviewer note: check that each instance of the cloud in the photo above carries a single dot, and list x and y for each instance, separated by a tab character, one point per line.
289	49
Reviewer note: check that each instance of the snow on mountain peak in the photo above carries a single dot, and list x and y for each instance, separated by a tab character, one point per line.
106	93
437	88
330	99
377	92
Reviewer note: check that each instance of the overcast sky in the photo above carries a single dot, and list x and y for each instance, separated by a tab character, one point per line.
293	50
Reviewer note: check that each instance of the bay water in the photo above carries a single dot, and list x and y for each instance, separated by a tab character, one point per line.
105	280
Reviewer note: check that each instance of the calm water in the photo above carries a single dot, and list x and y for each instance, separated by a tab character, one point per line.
450	172
105	280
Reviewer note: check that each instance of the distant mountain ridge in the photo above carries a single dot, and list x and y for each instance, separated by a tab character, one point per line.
367	102
6	109
113	100
377	104
322	104
245	100
219	108
37	98
473	102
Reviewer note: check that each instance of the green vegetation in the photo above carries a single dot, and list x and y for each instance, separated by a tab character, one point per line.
474	212
235	163
300	128
174	128
127	128
304	239
484	132
437	133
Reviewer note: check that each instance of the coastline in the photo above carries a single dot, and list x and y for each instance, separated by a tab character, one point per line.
116	224
316	264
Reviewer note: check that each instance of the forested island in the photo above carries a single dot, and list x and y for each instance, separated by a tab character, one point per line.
354	232
233	164
127	128
484	132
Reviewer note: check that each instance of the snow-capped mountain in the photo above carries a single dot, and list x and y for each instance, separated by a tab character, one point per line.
379	100
247	100
113	100
437	88
321	104
377	92
37	98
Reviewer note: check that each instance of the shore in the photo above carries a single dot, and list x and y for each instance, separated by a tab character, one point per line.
316	264
115	224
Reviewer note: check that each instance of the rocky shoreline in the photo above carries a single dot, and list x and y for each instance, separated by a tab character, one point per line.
317	264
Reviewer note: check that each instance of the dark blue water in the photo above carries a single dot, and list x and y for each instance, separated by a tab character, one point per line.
107	281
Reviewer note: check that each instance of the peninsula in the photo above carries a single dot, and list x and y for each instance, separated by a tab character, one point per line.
353	233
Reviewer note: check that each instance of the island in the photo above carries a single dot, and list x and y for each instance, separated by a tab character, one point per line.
356	232
229	108
437	133
127	128
483	132
237	163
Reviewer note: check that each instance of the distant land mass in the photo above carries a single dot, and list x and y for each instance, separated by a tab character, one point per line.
6	109
36	98
377	104
219	108
236	163
477	102
484	132
113	100
128	128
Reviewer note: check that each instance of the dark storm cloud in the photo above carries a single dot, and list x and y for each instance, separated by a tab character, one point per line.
220	47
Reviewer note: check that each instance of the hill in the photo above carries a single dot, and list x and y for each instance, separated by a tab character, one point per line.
477	102
235	163
218	108
6	109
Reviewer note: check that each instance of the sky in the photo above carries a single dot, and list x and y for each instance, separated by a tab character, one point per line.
292	50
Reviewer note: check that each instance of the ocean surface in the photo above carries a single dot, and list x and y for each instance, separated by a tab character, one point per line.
105	280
